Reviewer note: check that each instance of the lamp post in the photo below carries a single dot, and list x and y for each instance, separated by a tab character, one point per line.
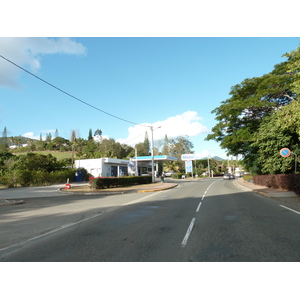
208	166
152	153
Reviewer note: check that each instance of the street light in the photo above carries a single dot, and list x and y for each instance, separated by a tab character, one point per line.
152	153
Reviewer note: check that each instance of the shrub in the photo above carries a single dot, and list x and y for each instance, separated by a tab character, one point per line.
17	177
108	182
289	182
177	175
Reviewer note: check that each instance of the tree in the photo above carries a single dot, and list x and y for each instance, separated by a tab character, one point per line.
147	144
73	136
165	149
98	135
4	141
48	137
293	68
60	143
177	146
240	116
278	131
90	136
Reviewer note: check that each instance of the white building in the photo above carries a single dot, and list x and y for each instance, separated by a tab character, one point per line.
104	167
107	167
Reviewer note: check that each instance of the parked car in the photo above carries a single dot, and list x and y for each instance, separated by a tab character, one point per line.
226	177
169	173
232	176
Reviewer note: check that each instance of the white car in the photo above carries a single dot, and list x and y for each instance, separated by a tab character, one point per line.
169	173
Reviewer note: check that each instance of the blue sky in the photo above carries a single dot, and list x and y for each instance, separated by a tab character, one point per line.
173	83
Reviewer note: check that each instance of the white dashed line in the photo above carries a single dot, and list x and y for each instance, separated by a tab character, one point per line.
186	237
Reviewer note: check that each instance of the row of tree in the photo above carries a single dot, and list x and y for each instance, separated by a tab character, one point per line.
95	146
261	117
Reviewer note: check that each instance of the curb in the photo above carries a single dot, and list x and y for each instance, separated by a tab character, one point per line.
114	193
275	194
251	190
88	193
157	190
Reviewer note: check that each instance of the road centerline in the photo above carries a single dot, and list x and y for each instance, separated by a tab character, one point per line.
186	237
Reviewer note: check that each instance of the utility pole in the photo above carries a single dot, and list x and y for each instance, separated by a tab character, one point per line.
136	164
208	166
152	154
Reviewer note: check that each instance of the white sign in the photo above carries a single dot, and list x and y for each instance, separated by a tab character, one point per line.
188	156
188	166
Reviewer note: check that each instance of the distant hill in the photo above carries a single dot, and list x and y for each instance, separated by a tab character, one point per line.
218	158
23	140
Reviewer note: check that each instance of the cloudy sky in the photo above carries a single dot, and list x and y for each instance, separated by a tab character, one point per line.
125	85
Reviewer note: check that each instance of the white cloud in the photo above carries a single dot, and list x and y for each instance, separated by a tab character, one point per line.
187	123
27	52
30	135
99	138
206	153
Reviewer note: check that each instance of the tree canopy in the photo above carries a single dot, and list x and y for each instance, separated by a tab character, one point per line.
250	105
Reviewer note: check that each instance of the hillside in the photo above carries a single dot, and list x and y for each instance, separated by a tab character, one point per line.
22	139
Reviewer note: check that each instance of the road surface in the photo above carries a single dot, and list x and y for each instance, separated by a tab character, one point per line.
212	220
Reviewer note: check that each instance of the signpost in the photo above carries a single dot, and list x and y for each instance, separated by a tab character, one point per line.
188	158
285	152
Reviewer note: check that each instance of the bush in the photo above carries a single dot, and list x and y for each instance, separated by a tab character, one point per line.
17	177
177	175
108	182
289	182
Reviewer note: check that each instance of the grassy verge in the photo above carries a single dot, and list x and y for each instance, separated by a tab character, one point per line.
59	155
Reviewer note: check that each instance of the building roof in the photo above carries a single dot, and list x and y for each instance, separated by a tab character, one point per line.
156	158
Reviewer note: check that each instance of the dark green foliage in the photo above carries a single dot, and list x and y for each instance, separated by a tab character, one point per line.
34	169
108	182
243	121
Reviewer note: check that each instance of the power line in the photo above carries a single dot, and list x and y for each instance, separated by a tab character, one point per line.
92	106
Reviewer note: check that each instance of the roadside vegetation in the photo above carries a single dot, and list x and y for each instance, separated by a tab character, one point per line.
261	117
27	162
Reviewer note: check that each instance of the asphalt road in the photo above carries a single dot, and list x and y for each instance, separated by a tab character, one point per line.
198	221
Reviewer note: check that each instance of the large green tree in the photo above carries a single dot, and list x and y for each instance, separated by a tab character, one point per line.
293	69
176	147
240	116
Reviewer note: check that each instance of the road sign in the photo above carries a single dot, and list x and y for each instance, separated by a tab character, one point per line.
285	152
188	166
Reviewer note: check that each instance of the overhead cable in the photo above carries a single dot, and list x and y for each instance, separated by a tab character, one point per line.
92	106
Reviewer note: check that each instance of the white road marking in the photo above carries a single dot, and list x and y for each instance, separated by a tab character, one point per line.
62	227
297	212
198	207
204	196
186	237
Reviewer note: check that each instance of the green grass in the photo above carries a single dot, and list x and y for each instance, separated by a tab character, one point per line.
57	154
